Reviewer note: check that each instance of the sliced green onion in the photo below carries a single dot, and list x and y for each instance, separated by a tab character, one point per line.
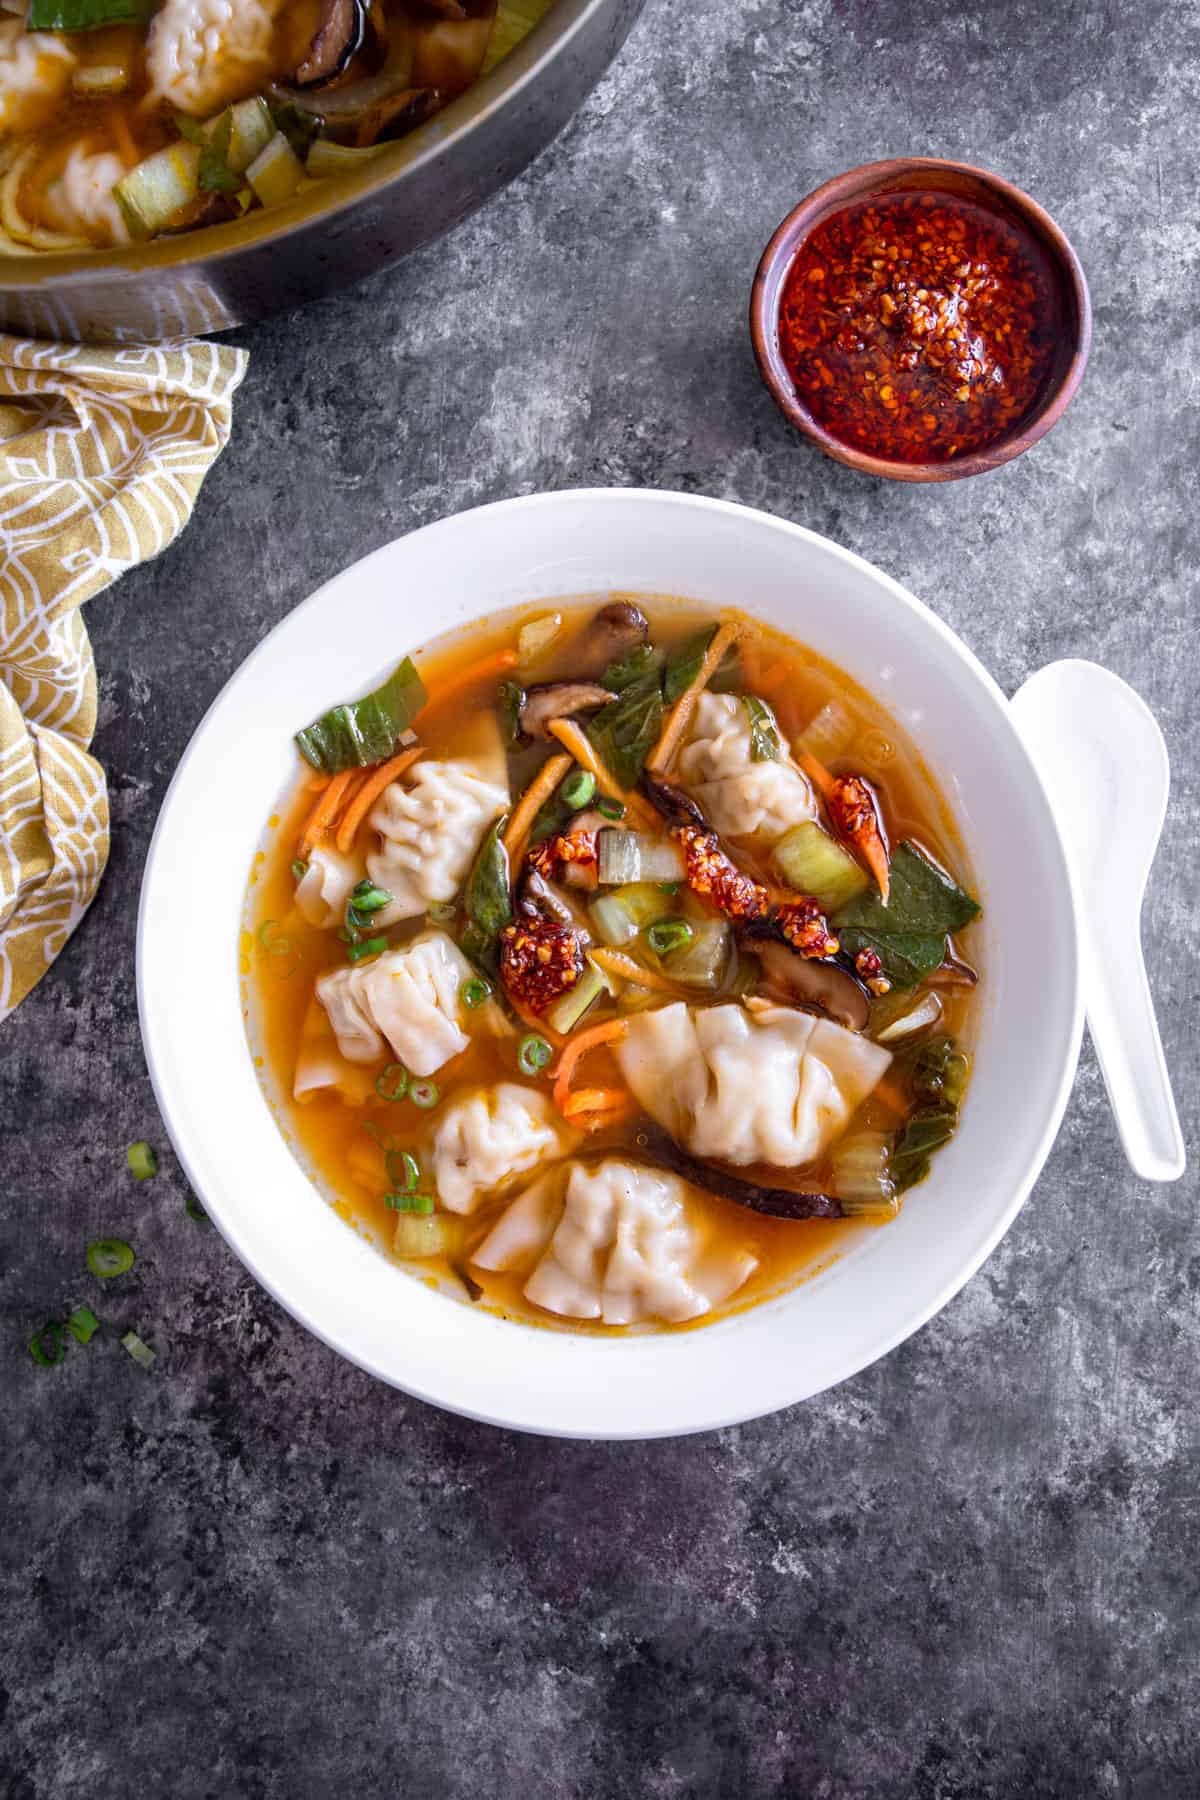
423	1094
668	934
476	993
47	1346
83	1324
422	1204
611	809
367	898
107	1257
669	887
194	1210
403	1170
368	947
533	1053
442	912
280	945
299	869
142	1160
138	1349
392	1084
578	789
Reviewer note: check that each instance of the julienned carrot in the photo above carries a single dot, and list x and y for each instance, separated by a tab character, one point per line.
499	664
326	810
607	1033
573	739
534	1023
616	963
892	1094
817	773
681	712
369	792
534	797
595	1108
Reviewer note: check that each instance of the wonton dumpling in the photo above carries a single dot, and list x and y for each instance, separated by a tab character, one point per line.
431	821
320	1065
775	1086
739	797
201	54
485	1138
326	885
35	70
614	1241
405	1000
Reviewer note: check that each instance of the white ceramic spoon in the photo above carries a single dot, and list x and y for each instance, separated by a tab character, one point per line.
1104	764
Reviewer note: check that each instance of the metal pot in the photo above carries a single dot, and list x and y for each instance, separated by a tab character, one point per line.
340	230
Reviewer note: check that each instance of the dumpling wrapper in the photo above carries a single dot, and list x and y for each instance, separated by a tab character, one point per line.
739	797
614	1241
405	1001
432	820
320	1065
774	1086
485	1138
326	885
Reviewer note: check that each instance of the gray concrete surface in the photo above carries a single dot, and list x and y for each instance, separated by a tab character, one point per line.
972	1571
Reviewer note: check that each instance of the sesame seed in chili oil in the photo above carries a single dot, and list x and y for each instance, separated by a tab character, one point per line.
918	326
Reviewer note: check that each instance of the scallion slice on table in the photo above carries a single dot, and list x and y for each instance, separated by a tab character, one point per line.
533	1053
83	1324
47	1346
107	1257
139	1349
364	731
142	1160
392	1084
194	1210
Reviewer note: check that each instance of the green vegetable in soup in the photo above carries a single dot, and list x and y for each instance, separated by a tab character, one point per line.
488	897
510	698
764	732
86	15
215	174
813	863
328	158
937	1073
361	732
909	933
276	172
626	730
161	186
569	1008
701	960
683	665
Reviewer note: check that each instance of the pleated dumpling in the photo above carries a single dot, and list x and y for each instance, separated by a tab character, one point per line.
774	1085
405	1001
739	797
485	1138
432	820
614	1241
326	885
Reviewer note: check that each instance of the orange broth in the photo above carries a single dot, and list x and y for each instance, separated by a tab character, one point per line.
327	1133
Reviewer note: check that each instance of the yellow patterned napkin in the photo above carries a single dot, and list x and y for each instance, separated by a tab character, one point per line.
102	453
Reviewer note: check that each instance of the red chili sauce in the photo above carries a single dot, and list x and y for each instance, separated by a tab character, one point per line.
918	326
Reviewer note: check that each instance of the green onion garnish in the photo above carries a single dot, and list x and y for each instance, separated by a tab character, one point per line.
299	869
83	1324
107	1257
280	945
46	1346
367	898
423	1093
669	934
669	887
138	1349
393	1083
578	789
533	1053
368	947
612	809
410	1203
194	1210
442	912
142	1160
476	993
403	1170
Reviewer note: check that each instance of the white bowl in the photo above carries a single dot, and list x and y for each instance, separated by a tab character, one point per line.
883	1287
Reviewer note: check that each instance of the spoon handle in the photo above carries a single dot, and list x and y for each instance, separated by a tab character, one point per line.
1124	1031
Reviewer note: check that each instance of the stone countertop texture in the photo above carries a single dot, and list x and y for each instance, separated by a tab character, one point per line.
971	1571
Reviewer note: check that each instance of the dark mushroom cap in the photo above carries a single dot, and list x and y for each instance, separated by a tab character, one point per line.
336	41
778	1203
559	700
820	982
616	629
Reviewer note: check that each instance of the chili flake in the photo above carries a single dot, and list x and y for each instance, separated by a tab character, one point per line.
917	326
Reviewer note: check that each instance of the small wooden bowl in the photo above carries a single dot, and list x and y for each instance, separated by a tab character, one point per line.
925	174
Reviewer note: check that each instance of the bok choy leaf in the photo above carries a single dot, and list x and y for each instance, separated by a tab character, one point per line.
626	730
364	731
909	933
487	901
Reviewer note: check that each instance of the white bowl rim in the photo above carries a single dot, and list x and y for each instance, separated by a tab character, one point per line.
517	1416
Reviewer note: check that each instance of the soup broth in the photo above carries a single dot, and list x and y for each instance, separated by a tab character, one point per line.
373	1155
